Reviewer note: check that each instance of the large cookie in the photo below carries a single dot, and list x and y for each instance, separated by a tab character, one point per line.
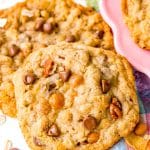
38	23
137	17
75	97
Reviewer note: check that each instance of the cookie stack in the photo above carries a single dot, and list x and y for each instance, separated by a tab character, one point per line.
62	78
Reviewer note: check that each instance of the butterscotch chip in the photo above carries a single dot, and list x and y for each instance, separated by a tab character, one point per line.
57	100
78	107
76	80
93	137
148	145
28	24
140	129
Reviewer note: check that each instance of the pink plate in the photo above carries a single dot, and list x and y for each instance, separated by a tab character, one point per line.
139	58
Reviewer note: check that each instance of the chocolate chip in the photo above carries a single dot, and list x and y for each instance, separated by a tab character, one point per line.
54	131
64	75
99	34
105	86
78	144
70	38
48	27
85	142
29	78
37	142
52	86
14	50
39	24
90	122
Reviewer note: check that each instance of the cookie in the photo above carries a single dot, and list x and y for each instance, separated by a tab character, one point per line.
37	23
72	96
137	17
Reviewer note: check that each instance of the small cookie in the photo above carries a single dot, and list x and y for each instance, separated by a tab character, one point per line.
37	23
72	96
137	17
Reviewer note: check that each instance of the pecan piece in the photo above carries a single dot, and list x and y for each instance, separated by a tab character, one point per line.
115	111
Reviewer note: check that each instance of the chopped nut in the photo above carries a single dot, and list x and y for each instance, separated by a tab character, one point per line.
48	27
48	67
115	111
57	100
54	131
93	137
39	24
70	38
140	129
37	142
90	123
29	78
99	34
14	50
105	86
76	80
116	102
64	75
